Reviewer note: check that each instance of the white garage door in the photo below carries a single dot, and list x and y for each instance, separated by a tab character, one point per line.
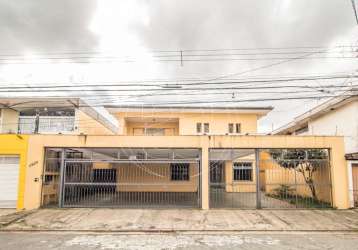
9	175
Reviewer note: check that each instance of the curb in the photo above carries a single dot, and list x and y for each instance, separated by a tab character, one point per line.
173	231
8	219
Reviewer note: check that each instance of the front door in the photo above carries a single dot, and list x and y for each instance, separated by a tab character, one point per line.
217	172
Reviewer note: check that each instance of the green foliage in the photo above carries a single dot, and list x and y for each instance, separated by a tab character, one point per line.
304	161
284	191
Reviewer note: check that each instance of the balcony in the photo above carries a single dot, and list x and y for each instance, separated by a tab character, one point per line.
47	124
152	126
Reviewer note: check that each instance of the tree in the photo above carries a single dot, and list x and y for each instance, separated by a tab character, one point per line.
304	161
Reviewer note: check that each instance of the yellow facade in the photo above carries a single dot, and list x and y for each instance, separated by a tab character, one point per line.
17	145
185	123
39	142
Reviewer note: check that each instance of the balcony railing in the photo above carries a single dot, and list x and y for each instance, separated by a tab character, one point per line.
47	124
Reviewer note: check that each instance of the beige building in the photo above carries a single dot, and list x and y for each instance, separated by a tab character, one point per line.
180	157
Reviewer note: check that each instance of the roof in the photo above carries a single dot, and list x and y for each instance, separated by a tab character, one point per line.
318	111
191	109
23	103
352	156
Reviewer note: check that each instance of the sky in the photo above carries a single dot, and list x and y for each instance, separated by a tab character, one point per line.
47	42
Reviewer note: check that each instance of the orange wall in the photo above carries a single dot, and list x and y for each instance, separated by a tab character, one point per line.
89	126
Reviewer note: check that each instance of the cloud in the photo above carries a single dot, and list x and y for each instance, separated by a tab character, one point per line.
139	27
44	26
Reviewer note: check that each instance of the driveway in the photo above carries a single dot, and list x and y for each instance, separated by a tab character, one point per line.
189	220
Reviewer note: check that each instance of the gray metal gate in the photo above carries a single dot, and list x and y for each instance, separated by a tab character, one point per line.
130	184
272	178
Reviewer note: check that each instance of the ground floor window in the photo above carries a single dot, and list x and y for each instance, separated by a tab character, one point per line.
242	171
179	171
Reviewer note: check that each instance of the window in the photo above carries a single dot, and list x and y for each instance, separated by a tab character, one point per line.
154	131
148	131
231	128
206	127
104	175
179	171
198	127
242	171
301	130
238	128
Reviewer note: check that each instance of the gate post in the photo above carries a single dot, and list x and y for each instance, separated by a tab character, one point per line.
257	173
62	176
205	177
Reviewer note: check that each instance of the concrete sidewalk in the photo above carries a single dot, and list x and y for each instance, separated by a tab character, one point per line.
138	220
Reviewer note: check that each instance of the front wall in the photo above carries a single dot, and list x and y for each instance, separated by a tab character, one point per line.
218	123
39	142
144	175
17	145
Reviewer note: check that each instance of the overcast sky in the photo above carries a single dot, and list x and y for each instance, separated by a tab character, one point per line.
136	30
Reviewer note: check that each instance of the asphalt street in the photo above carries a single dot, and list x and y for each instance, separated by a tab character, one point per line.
222	241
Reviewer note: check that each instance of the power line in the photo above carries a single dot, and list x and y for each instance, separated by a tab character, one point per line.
33	89
86	56
74	61
111	105
190	50
78	85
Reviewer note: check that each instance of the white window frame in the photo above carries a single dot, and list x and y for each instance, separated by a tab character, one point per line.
243	168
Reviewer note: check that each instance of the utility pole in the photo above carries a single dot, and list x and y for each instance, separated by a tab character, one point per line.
355	10
37	121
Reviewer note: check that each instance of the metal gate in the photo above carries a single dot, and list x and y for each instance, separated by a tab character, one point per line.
130	184
272	178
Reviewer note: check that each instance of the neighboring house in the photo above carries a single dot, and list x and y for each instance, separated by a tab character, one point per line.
174	157
338	117
31	115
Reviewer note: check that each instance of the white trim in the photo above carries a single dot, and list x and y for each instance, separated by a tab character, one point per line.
350	181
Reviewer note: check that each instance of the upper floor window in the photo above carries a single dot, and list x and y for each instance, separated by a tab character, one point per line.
198	128
234	128
148	131
242	171
301	130
202	128
154	131
206	128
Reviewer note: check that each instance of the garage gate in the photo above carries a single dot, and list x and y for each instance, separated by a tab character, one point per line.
270	178
128	178
9	176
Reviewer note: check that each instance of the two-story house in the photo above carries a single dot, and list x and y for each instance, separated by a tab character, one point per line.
39	115
174	156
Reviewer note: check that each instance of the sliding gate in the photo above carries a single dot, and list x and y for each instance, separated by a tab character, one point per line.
122	177
131	184
270	178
